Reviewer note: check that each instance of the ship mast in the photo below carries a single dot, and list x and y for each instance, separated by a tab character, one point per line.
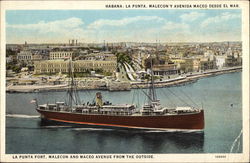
72	92
152	93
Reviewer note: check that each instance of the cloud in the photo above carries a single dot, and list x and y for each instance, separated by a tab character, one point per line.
123	22
191	16
222	26
58	26
219	19
176	26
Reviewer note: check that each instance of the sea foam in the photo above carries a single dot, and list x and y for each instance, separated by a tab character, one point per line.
22	116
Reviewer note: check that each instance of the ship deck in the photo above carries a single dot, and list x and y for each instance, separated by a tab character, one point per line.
114	113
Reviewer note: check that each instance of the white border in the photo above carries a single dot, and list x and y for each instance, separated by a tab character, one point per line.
244	5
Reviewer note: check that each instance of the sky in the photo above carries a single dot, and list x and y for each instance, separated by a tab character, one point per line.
94	26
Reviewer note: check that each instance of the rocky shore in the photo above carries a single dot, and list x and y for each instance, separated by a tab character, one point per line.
120	86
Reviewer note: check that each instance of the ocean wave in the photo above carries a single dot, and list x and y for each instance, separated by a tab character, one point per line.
22	116
175	130
57	126
43	127
21	127
92	129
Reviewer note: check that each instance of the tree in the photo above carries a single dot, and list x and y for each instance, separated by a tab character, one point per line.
10	52
30	68
123	57
147	63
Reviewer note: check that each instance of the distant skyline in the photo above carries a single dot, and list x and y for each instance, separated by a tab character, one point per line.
94	26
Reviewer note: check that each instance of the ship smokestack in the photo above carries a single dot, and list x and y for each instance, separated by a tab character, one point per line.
98	99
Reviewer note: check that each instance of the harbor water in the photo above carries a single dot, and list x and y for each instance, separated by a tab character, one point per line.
220	97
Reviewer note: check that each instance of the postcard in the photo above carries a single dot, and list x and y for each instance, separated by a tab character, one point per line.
124	81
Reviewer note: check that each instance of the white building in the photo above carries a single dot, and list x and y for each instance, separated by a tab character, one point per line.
60	54
208	53
220	61
62	66
25	56
9	59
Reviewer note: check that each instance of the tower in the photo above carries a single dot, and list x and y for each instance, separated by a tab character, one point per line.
104	48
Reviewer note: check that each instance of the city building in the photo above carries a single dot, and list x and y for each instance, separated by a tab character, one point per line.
206	63
53	55
166	69
220	61
9	59
196	65
25	56
100	56
62	66
104	65
187	65
37	57
232	60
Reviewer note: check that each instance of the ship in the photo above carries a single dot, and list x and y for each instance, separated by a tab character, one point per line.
152	115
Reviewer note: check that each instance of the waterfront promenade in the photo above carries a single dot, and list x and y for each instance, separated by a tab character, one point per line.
187	78
182	79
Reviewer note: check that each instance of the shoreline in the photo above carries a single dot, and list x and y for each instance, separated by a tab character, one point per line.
181	80
191	78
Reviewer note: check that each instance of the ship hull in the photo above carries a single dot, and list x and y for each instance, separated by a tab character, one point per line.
194	121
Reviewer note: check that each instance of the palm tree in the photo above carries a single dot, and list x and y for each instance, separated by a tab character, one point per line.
123	57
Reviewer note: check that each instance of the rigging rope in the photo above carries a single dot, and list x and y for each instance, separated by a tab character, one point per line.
165	94
138	98
133	97
235	141
145	98
77	94
238	148
178	97
188	97
88	95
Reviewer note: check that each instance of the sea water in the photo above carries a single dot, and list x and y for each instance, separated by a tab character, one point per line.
220	97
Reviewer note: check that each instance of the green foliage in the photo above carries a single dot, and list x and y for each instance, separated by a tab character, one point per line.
99	71
123	57
13	67
102	72
148	61
86	73
81	74
107	73
146	76
10	52
51	73
31	68
185	54
47	74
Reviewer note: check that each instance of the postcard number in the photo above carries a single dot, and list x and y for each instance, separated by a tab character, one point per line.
220	156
